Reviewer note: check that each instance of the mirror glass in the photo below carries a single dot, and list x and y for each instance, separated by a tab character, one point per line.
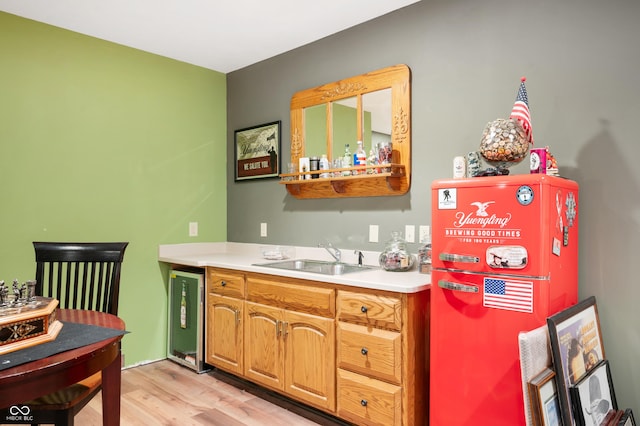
344	121
376	110
315	130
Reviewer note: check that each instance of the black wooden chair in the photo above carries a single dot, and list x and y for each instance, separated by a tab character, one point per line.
80	276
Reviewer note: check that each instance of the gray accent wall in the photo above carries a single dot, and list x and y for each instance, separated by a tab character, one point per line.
581	59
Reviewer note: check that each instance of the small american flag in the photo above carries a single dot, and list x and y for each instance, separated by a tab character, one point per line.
520	110
508	294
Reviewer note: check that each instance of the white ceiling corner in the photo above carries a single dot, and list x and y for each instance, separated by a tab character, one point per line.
220	35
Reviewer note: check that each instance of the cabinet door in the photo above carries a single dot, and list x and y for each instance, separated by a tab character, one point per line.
224	333
310	359
264	361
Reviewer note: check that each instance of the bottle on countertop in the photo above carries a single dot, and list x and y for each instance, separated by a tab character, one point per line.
346	160
424	256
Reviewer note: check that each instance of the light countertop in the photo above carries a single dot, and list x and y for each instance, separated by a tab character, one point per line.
245	256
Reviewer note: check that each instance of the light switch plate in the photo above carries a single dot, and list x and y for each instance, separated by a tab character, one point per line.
373	233
263	229
423	232
193	229
410	233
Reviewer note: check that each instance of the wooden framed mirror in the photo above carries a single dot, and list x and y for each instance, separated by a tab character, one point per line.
374	107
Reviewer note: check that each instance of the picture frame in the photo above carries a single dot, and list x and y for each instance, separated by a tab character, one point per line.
576	347
543	397
627	418
257	151
593	396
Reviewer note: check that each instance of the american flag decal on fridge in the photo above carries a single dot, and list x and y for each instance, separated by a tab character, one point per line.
508	294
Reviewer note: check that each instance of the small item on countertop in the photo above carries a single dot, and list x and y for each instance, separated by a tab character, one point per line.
459	167
396	257
424	257
277	252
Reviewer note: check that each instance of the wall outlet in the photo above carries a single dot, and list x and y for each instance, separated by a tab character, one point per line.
193	229
263	229
410	233
424	232
373	233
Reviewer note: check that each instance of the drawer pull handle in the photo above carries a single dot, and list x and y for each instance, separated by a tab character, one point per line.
363	309
363	402
223	283
364	351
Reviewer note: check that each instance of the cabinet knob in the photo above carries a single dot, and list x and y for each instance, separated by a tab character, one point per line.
364	351
363	309
223	283
363	402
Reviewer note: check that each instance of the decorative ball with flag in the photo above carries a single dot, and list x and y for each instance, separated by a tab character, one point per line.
505	142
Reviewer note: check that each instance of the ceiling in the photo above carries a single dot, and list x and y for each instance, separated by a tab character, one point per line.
220	35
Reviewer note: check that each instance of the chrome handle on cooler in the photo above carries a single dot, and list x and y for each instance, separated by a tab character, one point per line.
448	285
451	257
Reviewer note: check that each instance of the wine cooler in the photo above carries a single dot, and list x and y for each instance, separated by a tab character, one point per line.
185	342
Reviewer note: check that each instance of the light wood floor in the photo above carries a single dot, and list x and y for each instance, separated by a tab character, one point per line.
165	393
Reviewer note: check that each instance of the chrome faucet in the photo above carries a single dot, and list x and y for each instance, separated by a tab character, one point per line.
333	251
360	257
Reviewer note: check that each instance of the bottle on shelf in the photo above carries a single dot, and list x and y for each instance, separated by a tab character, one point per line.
360	157
372	161
346	160
183	308
324	165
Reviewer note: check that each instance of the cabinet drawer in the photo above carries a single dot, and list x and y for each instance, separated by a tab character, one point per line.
370	351
310	299
370	309
367	401
225	283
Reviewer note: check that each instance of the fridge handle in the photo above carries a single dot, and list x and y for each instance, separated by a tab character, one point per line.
450	257
448	285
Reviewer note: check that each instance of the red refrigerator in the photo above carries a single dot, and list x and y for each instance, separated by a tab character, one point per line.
505	257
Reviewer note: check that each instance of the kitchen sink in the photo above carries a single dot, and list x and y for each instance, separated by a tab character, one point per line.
317	266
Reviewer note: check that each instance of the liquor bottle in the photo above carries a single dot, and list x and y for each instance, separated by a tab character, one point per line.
346	160
360	156
183	308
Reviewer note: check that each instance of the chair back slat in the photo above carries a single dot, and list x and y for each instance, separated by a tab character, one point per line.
80	275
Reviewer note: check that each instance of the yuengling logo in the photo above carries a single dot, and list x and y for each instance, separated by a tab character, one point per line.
481	217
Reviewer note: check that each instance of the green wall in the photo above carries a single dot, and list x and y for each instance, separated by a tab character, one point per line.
100	142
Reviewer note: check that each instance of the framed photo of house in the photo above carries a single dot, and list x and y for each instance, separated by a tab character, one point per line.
593	396
544	399
576	348
257	151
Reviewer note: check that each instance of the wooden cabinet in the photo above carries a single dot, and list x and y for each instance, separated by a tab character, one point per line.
291	351
359	354
381	356
224	342
224	345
